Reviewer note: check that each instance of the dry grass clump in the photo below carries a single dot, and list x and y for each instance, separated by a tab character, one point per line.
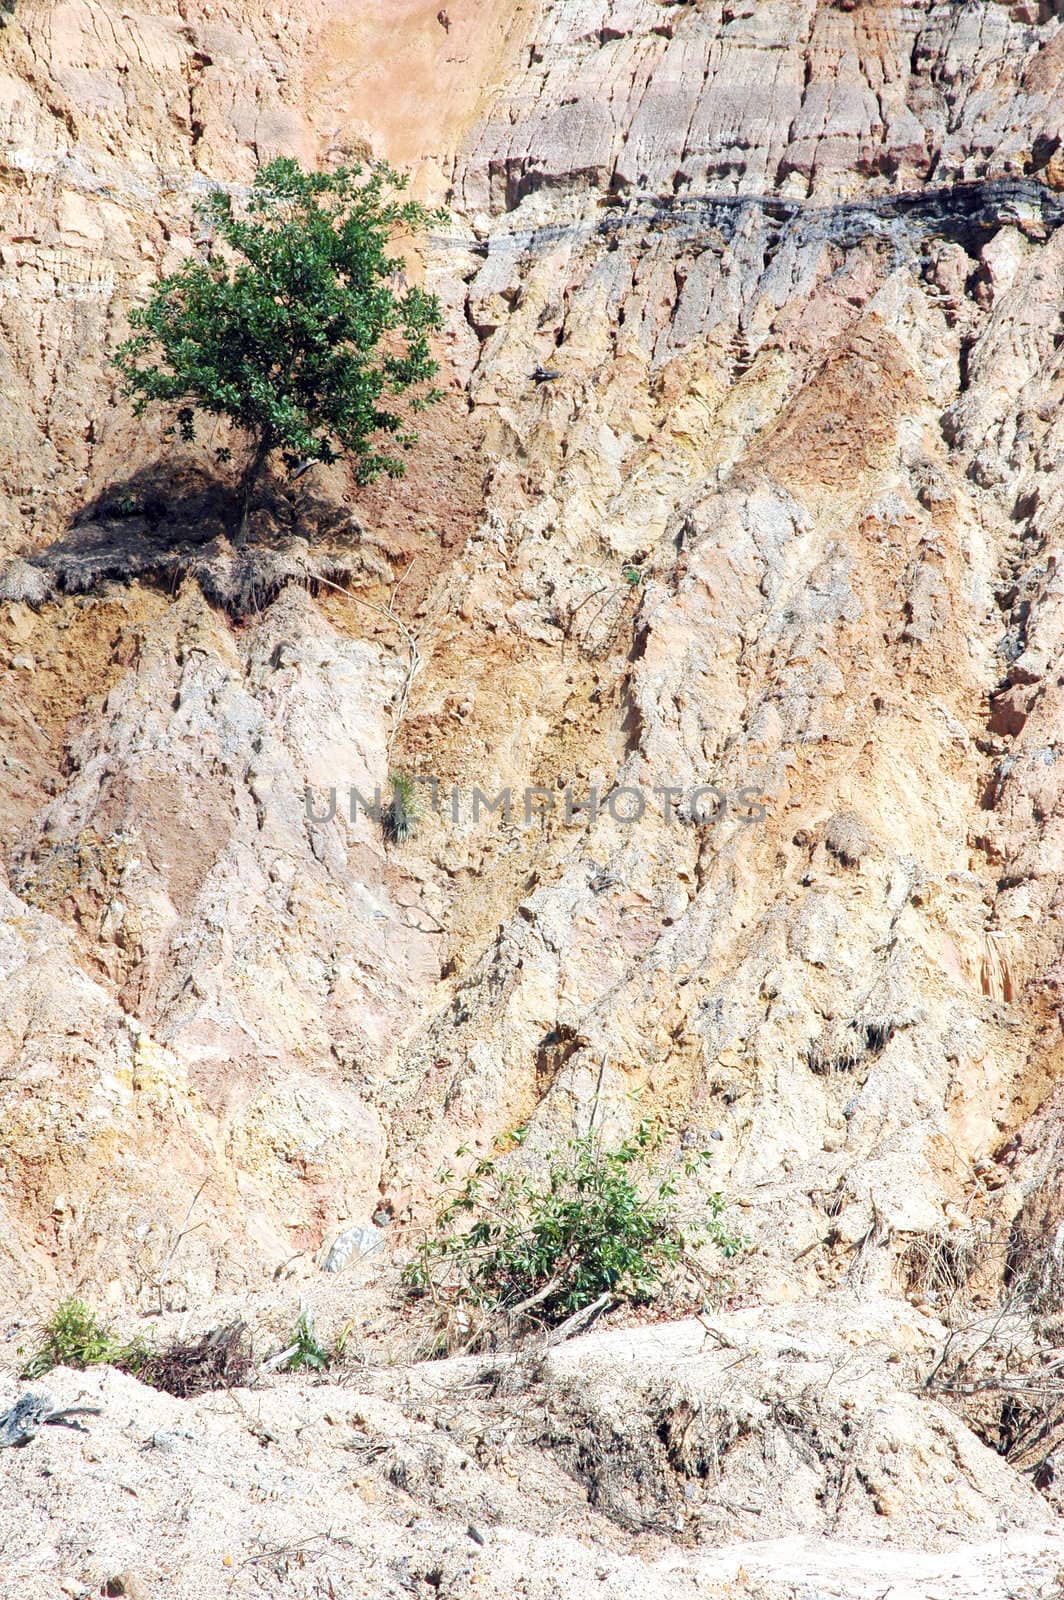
940	1264
1007	1383
220	1359
839	1048
1000	1366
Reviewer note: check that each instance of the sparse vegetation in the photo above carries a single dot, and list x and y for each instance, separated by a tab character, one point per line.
308	1354
220	1359
1001	1369
294	327
400	815
597	1225
73	1336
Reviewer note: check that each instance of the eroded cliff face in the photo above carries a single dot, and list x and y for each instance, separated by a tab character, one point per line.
784	517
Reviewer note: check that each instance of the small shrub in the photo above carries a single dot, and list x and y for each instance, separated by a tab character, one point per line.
74	1337
507	1242
400	815
309	1355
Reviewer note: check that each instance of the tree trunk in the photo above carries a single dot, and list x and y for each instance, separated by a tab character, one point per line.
252	472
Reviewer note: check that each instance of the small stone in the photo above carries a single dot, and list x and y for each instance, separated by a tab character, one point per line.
166	1442
128	1584
848	838
25	1418
357	1242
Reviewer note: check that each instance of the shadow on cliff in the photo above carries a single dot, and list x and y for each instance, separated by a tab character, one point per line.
173	521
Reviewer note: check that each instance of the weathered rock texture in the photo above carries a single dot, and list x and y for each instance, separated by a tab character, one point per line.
355	1487
786	518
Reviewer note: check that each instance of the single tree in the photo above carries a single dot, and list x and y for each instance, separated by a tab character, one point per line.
298	326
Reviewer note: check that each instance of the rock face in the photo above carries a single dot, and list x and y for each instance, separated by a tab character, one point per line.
776	527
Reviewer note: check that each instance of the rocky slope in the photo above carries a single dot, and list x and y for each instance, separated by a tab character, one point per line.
786	520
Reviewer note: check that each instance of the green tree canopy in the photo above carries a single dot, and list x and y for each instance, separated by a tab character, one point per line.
293	327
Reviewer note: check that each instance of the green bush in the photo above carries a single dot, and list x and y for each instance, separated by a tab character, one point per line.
74	1337
309	1355
596	1225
